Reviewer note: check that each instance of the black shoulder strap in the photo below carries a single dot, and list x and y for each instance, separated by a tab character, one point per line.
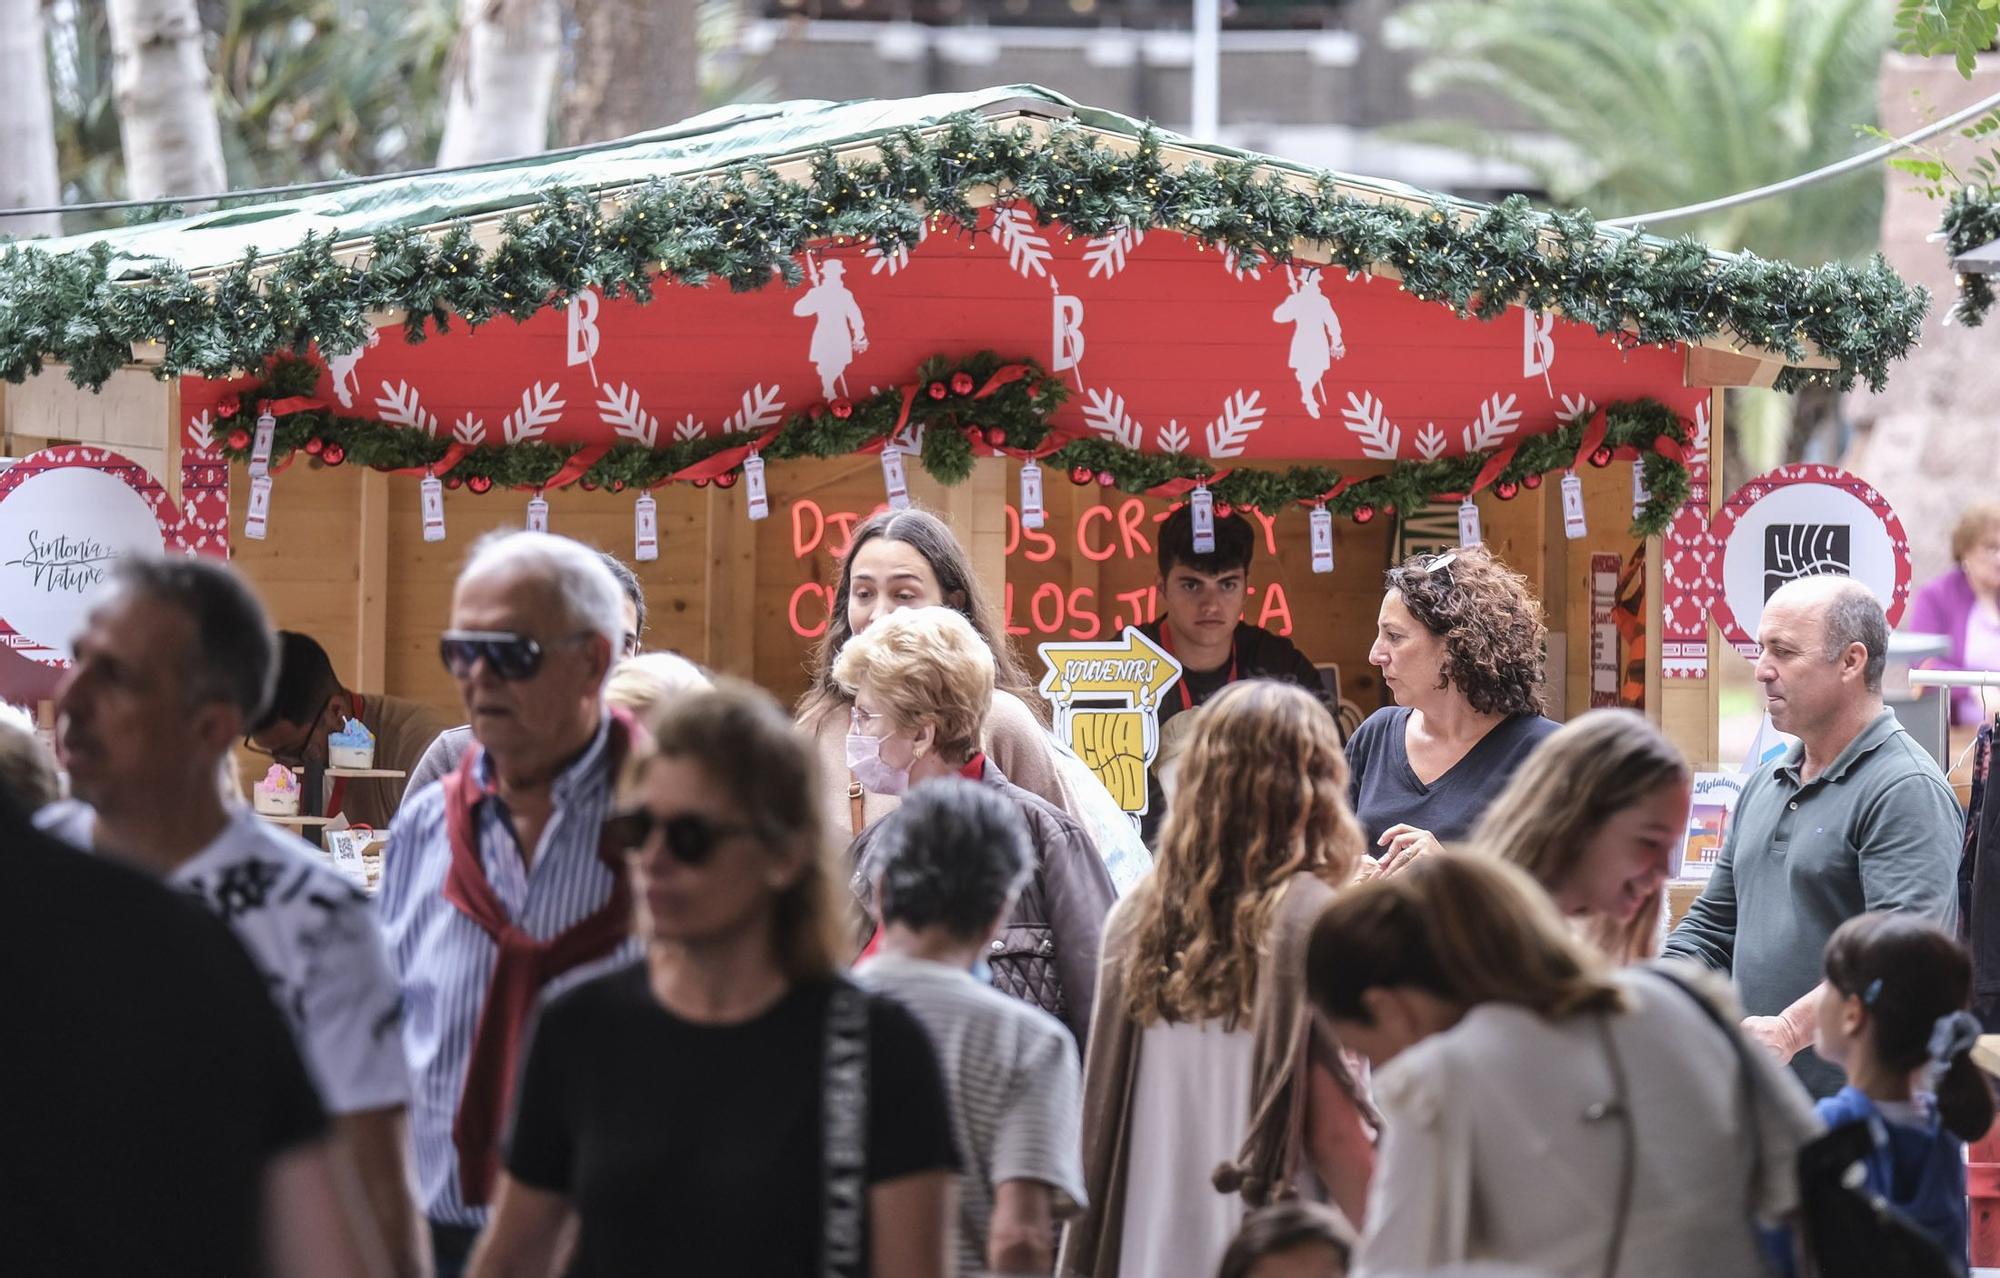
844	1124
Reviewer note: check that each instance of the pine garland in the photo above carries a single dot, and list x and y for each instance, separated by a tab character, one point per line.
1015	416
1971	220
747	226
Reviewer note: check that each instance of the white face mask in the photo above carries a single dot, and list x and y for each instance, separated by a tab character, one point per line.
864	760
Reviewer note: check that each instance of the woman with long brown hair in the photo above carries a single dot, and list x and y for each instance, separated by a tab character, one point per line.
910	559
1209	1086
1594	816
1540	1109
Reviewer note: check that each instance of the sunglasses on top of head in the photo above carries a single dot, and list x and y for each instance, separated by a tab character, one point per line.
691	840
509	655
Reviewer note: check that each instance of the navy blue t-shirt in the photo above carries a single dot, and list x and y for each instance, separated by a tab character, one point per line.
1385	792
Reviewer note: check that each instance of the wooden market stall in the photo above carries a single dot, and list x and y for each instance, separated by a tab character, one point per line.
976	280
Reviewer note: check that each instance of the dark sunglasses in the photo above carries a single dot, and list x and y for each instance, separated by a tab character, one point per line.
512	657
691	840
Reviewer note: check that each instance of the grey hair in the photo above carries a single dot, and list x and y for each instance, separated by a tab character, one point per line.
587	591
952	856
233	655
1854	615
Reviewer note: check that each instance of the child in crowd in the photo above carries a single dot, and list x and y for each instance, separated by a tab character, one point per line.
1291	1239
1892	1015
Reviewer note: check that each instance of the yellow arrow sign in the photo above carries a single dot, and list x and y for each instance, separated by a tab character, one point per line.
1130	666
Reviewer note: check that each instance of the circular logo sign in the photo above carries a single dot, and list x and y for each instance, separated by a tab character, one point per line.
1805	521
64	520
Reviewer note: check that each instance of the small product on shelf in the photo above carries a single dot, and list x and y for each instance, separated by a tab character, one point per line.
351	747
277	794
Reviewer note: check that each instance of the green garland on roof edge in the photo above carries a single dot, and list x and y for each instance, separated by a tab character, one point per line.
1020	409
746	226
1971	220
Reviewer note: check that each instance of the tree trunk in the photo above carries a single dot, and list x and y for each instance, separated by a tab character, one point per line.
499	97
636	66
27	128
166	99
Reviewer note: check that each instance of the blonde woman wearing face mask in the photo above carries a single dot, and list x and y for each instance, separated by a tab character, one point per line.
921	680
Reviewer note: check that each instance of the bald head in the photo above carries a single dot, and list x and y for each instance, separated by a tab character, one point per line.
1845	613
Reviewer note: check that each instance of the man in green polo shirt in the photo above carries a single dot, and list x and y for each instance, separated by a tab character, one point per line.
1855	818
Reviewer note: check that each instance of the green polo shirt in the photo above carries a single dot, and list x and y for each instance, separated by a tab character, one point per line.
1879	829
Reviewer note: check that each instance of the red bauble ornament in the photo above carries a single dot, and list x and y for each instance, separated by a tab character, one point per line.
1364	514
333	454
480	483
588	485
1531	482
1080	475
617	485
701	483
936	390
1105	479
727	479
1223	509
453	482
961	383
228	406
1600	458
1507	489
996	436
313	445
1389	508
239	439
841	408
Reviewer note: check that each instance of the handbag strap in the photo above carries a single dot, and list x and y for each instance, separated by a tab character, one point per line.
1619	1110
856	805
844	1133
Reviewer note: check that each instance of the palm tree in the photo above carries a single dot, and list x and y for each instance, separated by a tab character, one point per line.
27	131
166	98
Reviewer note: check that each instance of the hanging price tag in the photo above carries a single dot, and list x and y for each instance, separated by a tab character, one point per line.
432	490
1321	522
260	508
1032	513
1572	490
538	514
260	450
1201	504
645	528
892	479
1639	494
1468	522
754	496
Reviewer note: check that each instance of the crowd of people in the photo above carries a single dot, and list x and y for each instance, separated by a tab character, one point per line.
663	978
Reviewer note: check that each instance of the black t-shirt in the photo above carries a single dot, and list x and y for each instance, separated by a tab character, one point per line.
146	1077
1386	792
696	1149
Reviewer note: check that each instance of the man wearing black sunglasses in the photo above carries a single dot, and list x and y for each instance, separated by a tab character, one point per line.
499	881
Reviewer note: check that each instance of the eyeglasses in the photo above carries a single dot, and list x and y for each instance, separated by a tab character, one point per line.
691	840
859	719
293	755
511	656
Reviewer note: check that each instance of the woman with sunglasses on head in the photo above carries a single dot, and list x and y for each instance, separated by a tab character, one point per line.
1595	816
921	680
910	559
1210	1089
730	1104
1459	643
1540	1109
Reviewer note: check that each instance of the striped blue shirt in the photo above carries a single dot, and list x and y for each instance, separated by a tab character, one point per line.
443	959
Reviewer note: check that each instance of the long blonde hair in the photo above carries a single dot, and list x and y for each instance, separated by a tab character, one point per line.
1593	768
1261	796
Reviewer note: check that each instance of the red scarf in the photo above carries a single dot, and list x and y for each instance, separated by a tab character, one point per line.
521	966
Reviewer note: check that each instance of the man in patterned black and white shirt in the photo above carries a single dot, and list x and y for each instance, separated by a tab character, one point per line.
175	659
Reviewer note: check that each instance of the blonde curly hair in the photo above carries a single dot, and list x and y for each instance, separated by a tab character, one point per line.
1262	796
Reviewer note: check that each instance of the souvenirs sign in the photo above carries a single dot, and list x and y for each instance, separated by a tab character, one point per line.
1805	521
1106	695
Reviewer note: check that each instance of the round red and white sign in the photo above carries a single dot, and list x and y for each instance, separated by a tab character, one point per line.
1805	521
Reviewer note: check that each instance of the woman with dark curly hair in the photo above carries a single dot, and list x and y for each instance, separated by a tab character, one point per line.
1459	643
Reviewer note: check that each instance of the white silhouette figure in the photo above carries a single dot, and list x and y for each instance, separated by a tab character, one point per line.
347	382
1315	339
839	335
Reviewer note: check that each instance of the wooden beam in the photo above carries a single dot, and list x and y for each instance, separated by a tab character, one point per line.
1707	367
730	616
371	594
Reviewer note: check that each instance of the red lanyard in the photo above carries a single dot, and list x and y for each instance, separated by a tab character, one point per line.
338	798
1167	642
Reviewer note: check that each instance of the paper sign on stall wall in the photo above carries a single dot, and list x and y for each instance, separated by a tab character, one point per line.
344	849
432	492
1574	525
756	498
645	528
256	517
1605	644
1321	524
538	514
1715	795
893	482
1032	513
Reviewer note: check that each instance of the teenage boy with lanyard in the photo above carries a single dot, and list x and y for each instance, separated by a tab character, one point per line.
1201	624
